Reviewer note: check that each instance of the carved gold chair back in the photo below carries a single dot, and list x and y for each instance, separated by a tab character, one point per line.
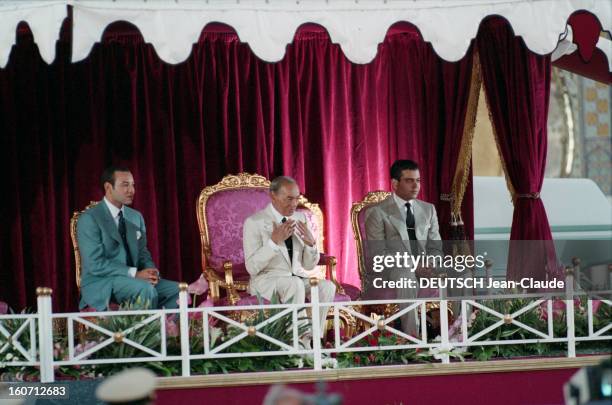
358	213
75	243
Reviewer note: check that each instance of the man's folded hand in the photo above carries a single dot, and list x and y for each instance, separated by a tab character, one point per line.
151	275
424	272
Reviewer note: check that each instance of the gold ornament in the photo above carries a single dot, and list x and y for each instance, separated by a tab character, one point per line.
43	291
603	130
591	94
602	106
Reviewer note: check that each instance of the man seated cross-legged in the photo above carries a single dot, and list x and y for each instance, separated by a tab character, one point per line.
116	264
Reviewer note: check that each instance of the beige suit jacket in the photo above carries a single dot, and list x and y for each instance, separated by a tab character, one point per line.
384	221
386	234
264	262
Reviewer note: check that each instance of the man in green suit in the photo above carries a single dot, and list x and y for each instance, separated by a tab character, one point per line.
116	264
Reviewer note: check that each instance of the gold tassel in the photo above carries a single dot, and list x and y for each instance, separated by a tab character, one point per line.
461	177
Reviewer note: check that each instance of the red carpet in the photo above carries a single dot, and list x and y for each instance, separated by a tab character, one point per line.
541	387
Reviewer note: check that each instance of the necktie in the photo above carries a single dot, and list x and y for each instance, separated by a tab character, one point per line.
123	234
410	223
289	243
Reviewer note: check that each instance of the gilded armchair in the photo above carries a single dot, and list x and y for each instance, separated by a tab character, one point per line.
75	243
221	210
358	216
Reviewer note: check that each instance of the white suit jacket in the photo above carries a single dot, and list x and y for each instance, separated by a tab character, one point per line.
262	260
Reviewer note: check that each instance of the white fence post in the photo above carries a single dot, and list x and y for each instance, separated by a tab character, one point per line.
569	311
45	334
444	341
184	323
316	320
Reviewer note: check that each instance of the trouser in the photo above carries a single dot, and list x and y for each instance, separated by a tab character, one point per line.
294	289
141	293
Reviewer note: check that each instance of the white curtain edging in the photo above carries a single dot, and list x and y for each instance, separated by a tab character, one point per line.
44	19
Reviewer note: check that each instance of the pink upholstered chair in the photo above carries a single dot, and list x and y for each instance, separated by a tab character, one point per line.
221	210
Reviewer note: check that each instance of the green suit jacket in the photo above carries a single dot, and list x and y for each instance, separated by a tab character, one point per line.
103	256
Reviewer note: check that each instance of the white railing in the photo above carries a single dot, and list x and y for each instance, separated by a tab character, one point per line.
8	339
38	329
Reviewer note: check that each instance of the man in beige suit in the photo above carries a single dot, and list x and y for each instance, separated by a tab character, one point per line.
402	223
280	251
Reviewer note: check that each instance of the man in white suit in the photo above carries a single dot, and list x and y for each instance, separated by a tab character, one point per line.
402	223
280	251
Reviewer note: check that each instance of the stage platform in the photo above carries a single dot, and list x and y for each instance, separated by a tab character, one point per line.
500	382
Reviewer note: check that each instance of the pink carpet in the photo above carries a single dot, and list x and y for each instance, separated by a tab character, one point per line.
511	388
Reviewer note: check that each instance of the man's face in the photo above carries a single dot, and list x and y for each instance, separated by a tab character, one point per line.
285	200
408	186
123	191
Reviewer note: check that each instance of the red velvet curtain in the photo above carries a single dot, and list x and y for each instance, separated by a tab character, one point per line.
517	85
333	125
456	88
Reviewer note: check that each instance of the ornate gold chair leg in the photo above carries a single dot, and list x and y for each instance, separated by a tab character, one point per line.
331	271
214	290
433	316
374	312
347	322
232	294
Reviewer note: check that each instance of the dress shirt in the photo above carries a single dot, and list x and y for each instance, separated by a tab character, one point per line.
115	214
401	204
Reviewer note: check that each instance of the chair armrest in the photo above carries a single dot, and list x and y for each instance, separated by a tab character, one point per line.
232	294
229	277
330	263
221	265
232	276
325	259
220	269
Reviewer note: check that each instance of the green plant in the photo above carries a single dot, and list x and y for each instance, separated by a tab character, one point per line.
281	329
144	333
508	331
602	317
11	353
536	319
387	357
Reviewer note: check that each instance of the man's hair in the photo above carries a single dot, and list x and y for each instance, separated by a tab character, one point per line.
108	175
280	181
400	165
